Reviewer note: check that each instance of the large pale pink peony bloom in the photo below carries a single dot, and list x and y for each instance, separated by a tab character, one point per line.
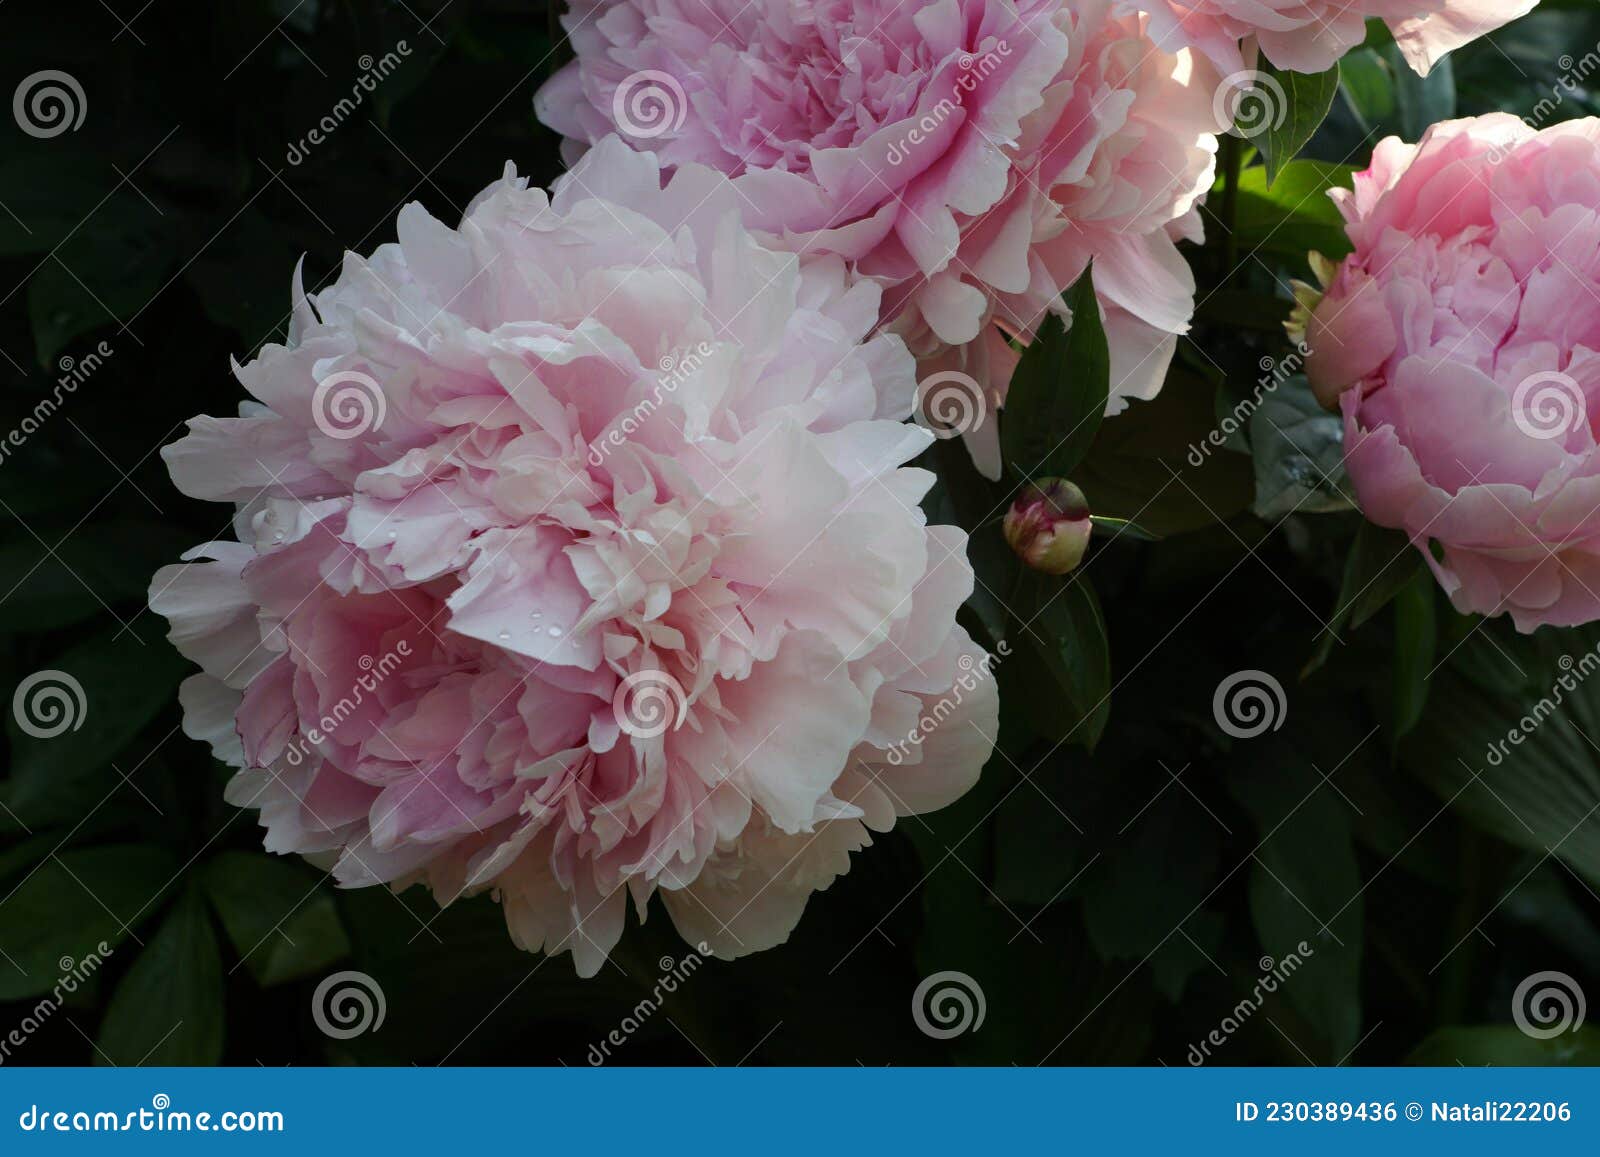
1461	340
970	156
1311	35
576	560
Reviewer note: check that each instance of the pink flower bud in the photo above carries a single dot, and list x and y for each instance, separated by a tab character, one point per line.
1048	526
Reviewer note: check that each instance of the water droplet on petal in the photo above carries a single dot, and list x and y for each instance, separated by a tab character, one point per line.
555	632
504	635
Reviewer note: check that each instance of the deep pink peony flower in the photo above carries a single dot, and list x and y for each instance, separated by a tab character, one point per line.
576	561
1311	35
970	156
1460	341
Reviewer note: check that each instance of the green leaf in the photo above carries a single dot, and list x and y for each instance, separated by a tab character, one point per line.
104	275
1057	397
1294	214
276	913
71	904
1298	451
168	1010
1305	886
56	778
1380	563
1292	107
1521	764
1060	627
1157	464
1422	101
1415	635
1133	897
242	279
103	564
1506	1045
46	201
1368	87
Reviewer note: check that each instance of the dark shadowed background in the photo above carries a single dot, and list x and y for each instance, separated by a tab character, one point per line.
1112	907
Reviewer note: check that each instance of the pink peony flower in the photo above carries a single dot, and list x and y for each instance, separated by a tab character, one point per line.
1311	35
970	156
1460	341
576	561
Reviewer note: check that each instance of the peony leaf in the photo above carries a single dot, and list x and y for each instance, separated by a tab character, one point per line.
277	915
168	1009
1415	636
1380	563
1292	107
55	777
1422	101
1504	1044
70	904
1154	464
1057	397
1058	623
1510	739
1305	886
104	564
1291	215
1298	449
